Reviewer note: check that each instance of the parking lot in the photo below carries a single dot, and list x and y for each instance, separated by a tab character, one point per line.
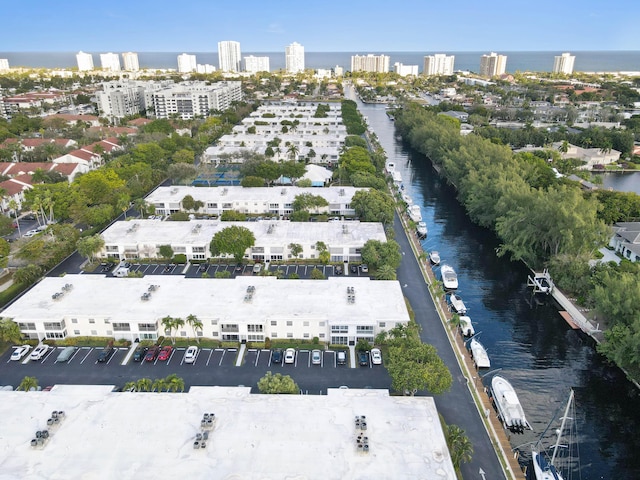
212	366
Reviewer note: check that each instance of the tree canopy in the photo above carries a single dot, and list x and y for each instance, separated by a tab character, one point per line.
277	383
233	240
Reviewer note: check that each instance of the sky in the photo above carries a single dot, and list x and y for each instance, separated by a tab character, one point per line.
320	26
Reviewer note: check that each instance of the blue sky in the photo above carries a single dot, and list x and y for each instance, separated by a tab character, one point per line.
321	26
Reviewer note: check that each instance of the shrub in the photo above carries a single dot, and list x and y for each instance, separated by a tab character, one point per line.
180	258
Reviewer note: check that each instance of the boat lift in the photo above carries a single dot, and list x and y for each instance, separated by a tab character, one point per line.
541	282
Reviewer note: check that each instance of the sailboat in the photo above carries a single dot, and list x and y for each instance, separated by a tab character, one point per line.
544	467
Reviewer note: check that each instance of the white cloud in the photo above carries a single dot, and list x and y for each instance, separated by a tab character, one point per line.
275	28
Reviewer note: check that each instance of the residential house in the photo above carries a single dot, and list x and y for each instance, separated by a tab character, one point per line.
626	240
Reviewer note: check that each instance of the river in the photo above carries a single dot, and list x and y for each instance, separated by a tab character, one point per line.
624	182
525	337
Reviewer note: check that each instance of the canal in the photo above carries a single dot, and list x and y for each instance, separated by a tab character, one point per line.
524	335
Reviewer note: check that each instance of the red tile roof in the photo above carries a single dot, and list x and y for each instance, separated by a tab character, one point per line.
83	154
138	122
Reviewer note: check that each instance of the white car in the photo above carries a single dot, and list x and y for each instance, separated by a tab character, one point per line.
316	357
39	352
376	356
290	355
20	352
30	233
191	354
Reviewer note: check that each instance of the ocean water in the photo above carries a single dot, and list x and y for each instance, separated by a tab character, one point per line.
593	61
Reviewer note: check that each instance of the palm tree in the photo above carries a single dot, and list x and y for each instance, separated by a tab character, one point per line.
13	205
460	447
144	385
293	151
28	383
177	324
386	272
141	206
123	203
195	324
48	203
173	383
167	323
37	207
158	385
129	385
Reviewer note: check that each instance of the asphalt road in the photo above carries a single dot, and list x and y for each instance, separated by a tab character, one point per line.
456	406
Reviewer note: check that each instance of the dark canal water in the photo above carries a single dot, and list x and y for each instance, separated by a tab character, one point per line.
536	350
625	182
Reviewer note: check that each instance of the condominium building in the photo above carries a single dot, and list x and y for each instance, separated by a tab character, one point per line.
229	56
256	64
130	61
294	58
564	63
4	65
205	68
370	63
85	61
187	63
122	98
438	64
189	99
337	310
405	70
110	62
493	64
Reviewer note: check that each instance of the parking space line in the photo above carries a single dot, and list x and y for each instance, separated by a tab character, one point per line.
112	356
209	358
222	358
173	351
85	357
50	352
257	358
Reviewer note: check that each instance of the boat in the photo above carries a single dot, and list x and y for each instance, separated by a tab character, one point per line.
434	256
397	178
449	277
466	327
421	229
457	304
545	467
414	213
508	405
479	354
391	167
407	199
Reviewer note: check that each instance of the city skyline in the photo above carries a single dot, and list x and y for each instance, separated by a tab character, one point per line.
270	27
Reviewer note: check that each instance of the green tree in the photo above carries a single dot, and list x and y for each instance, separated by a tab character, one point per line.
376	254
195	324
386	272
292	151
295	249
234	240
168	323
251	181
27	275
233	216
5	250
28	384
181	171
293	170
460	447
316	274
277	383
9	331
308	201
88	247
158	385
144	385
373	206
184	155
188	203
166	252
173	383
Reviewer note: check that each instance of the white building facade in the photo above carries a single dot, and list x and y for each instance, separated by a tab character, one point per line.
130	61
110	62
229	56
121	98
564	63
189	99
4	65
294	58
438	64
85	61
493	65
186	63
405	70
254	64
370	63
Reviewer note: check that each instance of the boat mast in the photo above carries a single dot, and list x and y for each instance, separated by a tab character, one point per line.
564	420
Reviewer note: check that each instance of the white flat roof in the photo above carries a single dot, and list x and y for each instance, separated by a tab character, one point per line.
108	434
96	296
175	194
333	234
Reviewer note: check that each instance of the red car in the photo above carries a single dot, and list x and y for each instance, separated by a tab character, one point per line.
165	353
152	354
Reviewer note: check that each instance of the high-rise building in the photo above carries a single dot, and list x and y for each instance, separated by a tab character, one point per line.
4	64
493	64
85	61
438	64
229	56
564	63
195	98
370	63
294	58
256	64
130	61
110	62
187	63
205	68
405	70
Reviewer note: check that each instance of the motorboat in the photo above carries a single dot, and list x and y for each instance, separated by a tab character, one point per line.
421	229
457	304
508	405
407	199
434	256
397	178
479	354
466	327
449	277
390	166
547	467
414	213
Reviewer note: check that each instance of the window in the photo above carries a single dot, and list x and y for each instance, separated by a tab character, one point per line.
215	334
76	332
274	334
254	328
289	323
305	323
197	249
274	323
230	338
339	328
339	340
109	333
27	326
230	327
199	333
321	335
321	324
183	334
121	327
107	321
257	249
366	329
199	256
306	335
91	320
94	332
74	320
54	325
289	335
54	335
148	336
147	327
255	338
382	324
214	322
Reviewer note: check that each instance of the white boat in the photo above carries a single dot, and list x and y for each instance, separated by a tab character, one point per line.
414	213
421	229
434	256
457	304
479	354
407	199
391	167
508	405
449	277
547	467
466	327
397	178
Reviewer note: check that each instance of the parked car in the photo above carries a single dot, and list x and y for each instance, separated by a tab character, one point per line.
316	357
363	359
341	357
257	268
191	354
353	268
338	270
165	353
276	356
239	267
364	268
39	352
290	355
20	352
140	353
376	356
106	353
152	354
30	233
66	354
